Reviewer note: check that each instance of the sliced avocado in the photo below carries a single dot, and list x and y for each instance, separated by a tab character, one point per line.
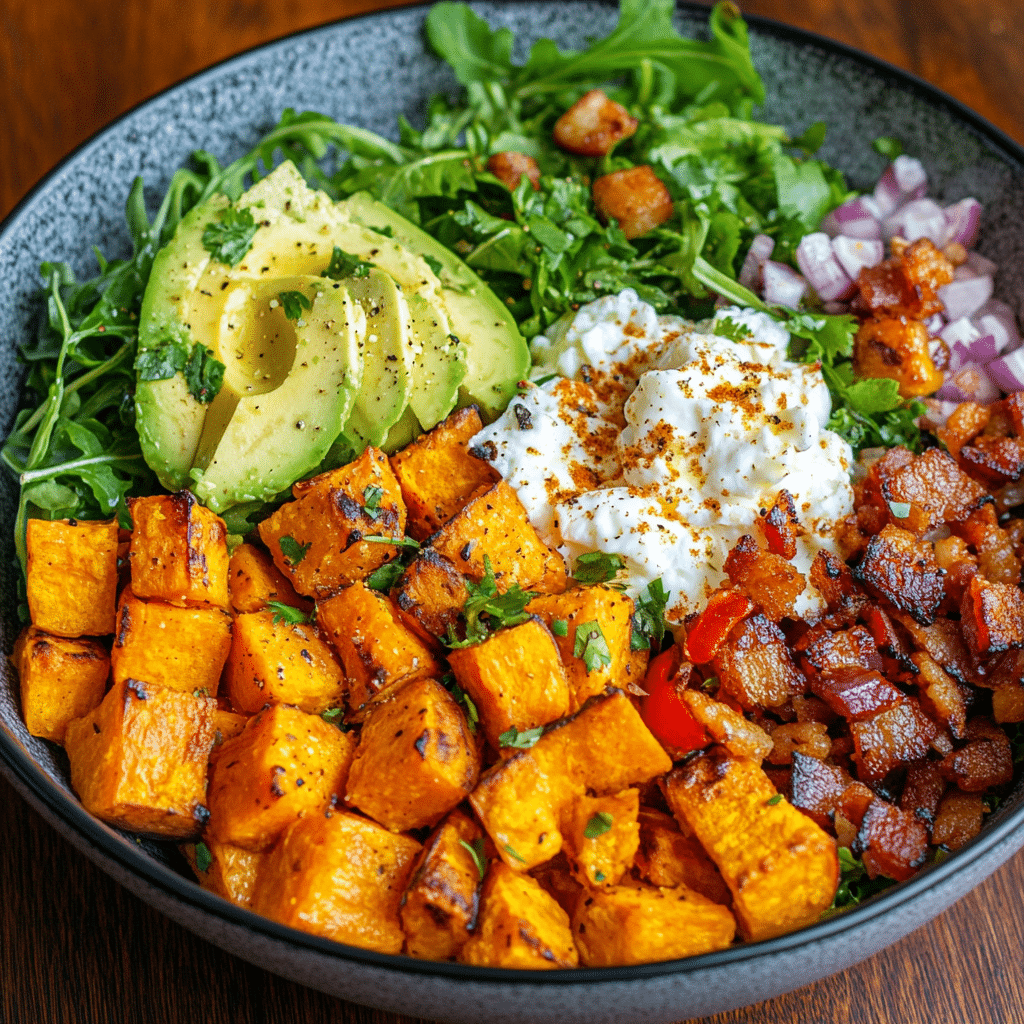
497	356
439	361
402	432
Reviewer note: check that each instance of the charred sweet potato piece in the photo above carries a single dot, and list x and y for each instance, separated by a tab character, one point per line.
430	594
962	425
890	841
340	876
593	125
768	580
922	790
668	858
942	695
780	526
816	787
727	726
856	693
178	551
438	474
781	867
897	736
893	347
958	819
510	168
633	924
992	616
997	556
254	581
755	667
601	836
71	581
61	679
230	872
824	650
994	461
138	761
832	578
439	906
984	763
902	570
416	759
635	197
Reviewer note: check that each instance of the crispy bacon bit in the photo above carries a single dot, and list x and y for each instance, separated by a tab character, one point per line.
1008	703
958	819
901	569
834	581
768	580
944	641
808	738
942	695
755	667
891	842
855	801
897	348
509	168
827	651
892	738
995	461
780	526
997	557
593	125
728	727
986	761
906	284
922	790
856	693
636	197
963	425
816	787
992	616
887	640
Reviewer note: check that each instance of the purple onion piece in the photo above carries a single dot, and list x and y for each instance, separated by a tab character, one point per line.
966	296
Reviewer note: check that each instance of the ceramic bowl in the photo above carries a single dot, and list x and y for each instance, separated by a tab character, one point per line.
367	71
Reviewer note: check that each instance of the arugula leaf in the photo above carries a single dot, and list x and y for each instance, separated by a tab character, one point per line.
344	264
648	629
287	613
476	849
486	609
230	238
292	550
591	646
293	304
597	567
600	823
520	740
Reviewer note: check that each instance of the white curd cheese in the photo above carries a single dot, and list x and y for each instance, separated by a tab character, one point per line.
662	444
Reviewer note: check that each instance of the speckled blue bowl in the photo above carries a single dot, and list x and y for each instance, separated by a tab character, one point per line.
340	69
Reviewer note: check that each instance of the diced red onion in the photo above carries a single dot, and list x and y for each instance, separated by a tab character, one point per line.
835	307
935	324
783	286
818	262
982	350
919	218
904	180
971	383
998	319
855	253
856	218
962	330
966	296
980	265
760	250
1008	371
963	219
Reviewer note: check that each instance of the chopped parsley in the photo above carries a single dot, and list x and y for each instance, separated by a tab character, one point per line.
597	567
331	714
203	857
520	740
462	698
287	613
293	304
486	609
344	264
230	238
591	646
293	551
399	542
725	327
772	801
598	876
384	578
203	372
598	825
512	853
854	884
560	627
648	628
371	500
476	849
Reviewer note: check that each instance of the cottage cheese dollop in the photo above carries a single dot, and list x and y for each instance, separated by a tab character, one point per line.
652	440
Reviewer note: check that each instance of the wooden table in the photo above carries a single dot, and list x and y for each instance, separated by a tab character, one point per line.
76	947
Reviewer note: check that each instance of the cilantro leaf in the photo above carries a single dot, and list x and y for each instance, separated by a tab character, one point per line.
204	374
476	850
560	627
344	264
384	578
597	567
371	500
854	885
520	740
203	857
230	238
293	304
163	362
600	823
293	551
287	613
648	628
591	646
463	698
486	609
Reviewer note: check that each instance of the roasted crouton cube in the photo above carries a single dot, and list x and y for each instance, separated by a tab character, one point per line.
992	616
891	841
602	836
635	197
892	347
228	871
179	551
138	761
592	627
317	539
769	580
284	764
510	168
668	858
439	907
897	736
61	679
340	876
755	667
438	474
254	581
430	594
781	867
901	569
416	759
377	650
515	678
520	925
593	125
634	924
71	580
181	647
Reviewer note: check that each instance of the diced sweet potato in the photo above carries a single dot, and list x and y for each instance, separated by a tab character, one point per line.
339	876
666	857
635	197
283	765
181	647
273	661
727	726
986	762
230	872
440	904
510	168
71	580
780	525
958	819
631	924
781	867
138	761
416	758
601	836
816	788
593	125
922	790
769	580
515	678
430	594
61	679
755	666
438	474
179	551
227	725
902	570
317	539
891	841
254	581
894	737
893	347
992	617
520	925
856	693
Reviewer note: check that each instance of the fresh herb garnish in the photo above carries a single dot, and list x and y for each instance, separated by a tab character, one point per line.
476	849
520	740
854	884
293	551
560	627
385	231
648	628
287	613
591	646
434	263
463	698
344	264
772	801
293	304
385	577
599	876
203	857
600	823
597	567
486	609
887	146
230	238
204	374
399	542
512	853
727	328
371	500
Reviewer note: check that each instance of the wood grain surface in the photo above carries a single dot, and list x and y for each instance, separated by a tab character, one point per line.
74	946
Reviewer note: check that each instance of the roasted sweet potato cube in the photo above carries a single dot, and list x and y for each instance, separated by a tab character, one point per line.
593	125
227	725
317	539
826	650
856	693
285	763
958	819
229	871
254	581
942	696
557	880
891	841
780	526
416	758
782	868
894	347
184	647
179	551
71	579
897	736
515	678
816	788
898	567
992	616
632	924
340	876
922	790
986	762
430	594
591	663
61	678
601	836
727	726
374	645
440	904
668	858
755	667
635	197
519	925
438	474
769	580
138	761
274	661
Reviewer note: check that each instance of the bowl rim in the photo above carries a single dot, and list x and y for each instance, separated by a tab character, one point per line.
111	845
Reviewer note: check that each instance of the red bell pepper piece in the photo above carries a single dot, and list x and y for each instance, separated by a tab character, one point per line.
663	709
707	634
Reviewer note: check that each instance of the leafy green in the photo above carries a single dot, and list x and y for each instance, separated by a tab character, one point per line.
560	627
293	551
204	374
854	884
463	698
344	264
597	567
203	857
400	542
888	147
371	500
648	628
230	238
600	823
287	613
486	609
476	850
590	645
293	304
512	737
384	578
